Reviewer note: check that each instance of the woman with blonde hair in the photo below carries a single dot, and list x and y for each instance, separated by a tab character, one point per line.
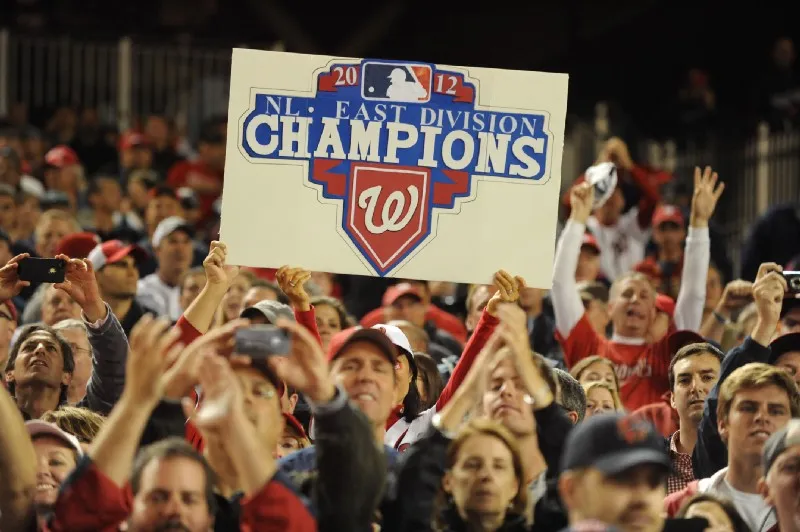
595	368
601	398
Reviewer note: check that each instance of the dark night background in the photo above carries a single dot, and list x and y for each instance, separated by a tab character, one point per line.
633	53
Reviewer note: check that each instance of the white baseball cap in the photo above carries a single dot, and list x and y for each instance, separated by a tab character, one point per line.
397	337
42	428
169	226
603	177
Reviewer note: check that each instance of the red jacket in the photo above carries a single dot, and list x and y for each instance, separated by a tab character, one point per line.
443	320
192	174
662	415
90	501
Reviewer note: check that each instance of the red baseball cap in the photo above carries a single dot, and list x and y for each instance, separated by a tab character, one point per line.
665	304
132	139
347	337
667	213
114	251
77	245
61	156
395	292
292	422
648	267
590	241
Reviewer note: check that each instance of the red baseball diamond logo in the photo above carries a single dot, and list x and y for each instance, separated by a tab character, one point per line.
394	144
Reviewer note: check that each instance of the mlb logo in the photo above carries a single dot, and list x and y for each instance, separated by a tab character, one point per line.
396	82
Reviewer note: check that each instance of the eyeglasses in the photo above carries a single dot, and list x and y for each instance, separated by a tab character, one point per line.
76	349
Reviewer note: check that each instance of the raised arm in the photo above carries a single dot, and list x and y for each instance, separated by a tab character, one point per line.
219	276
710	453
692	294
18	467
292	282
346	451
736	295
108	340
116	445
567	302
508	291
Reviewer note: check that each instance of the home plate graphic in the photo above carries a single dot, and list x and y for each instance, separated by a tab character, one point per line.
395	145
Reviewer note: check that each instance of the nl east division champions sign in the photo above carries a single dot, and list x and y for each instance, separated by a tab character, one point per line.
400	149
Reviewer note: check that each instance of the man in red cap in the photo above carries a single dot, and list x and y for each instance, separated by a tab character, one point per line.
641	363
349	425
407	302
62	172
669	232
440	318
115	265
589	260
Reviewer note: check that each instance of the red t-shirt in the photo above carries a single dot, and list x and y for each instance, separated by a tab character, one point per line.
642	370
197	176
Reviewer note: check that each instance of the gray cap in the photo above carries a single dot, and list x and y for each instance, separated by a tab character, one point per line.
788	436
272	310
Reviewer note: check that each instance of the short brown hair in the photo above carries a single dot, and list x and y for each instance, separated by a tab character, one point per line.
630	276
485	427
692	350
169	448
82	423
756	375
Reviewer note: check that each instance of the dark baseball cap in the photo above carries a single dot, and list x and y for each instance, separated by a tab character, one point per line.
788	436
787	343
614	443
789	304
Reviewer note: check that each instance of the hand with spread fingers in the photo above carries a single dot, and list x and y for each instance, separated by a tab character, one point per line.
306	367
182	376
153	349
706	195
508	290
218	272
80	283
292	281
10	285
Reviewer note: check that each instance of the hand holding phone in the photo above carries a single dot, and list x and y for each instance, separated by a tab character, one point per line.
37	270
10	283
262	341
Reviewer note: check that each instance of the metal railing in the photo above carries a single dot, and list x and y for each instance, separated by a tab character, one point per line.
124	80
759	171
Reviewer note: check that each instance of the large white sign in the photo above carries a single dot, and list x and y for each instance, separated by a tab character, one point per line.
389	168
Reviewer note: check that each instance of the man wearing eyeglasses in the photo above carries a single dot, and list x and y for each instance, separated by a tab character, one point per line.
779	486
8	323
76	334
